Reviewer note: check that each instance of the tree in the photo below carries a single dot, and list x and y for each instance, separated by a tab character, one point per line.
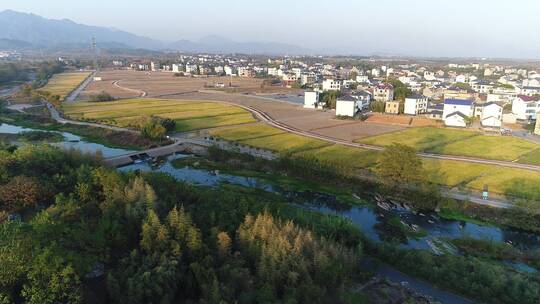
153	129
398	165
329	98
21	192
102	96
377	106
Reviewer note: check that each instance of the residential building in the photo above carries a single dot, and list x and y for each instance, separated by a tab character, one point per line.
346	106
311	100
525	107
435	110
416	104
154	66
228	70
456	112
364	99
530	91
491	115
391	107
177	68
306	79
331	85
383	92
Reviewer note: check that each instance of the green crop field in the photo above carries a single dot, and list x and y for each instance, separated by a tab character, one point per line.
531	157
189	115
461	143
506	181
421	139
493	147
62	84
344	156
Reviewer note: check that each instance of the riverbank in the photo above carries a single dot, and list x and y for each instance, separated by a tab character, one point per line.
40	119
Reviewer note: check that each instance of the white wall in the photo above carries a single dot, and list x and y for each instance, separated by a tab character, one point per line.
345	108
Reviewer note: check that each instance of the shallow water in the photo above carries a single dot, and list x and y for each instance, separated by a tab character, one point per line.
70	141
371	220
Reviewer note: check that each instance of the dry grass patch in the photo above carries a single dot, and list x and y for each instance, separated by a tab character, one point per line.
64	83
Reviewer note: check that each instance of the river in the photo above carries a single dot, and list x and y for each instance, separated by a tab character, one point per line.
370	219
71	141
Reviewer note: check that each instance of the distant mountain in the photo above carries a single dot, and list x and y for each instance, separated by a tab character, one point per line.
23	30
43	32
218	44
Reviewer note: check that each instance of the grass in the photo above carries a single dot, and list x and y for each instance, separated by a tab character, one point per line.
494	147
506	181
343	155
509	181
189	115
532	157
421	139
462	143
64	83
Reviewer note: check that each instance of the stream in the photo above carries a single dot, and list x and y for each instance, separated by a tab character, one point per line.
371	219
71	141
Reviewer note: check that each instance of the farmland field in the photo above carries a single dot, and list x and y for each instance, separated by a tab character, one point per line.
505	181
494	147
421	139
532	157
62	84
189	115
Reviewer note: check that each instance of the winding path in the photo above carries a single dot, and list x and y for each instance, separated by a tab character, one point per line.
140	92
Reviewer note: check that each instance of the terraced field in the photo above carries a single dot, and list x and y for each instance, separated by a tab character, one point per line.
64	83
189	115
505	181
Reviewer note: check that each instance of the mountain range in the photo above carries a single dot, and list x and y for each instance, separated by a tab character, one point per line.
26	31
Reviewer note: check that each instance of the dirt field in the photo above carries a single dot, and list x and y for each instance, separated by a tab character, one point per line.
157	84
389	119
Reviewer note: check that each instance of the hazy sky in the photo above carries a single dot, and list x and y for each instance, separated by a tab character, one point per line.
476	28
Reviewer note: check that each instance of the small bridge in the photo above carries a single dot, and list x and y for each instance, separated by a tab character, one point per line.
182	145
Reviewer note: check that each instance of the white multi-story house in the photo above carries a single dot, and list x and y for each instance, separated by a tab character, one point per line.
191	69
491	115
362	79
229	70
482	87
331	85
415	105
311	100
363	98
461	78
456	112
177	68
383	92
530	91
272	71
525	107
219	69
154	66
308	78
346	106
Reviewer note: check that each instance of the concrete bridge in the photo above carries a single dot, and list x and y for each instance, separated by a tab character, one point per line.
184	145
187	145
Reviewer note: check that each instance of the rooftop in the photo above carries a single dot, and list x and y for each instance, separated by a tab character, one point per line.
458	102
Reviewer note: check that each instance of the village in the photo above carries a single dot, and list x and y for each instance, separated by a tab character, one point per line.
487	96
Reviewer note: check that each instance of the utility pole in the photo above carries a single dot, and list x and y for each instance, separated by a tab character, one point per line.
94	54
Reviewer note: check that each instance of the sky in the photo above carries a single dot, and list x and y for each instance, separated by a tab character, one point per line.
434	28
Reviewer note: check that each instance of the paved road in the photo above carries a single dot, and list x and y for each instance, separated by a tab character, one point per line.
56	116
73	95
